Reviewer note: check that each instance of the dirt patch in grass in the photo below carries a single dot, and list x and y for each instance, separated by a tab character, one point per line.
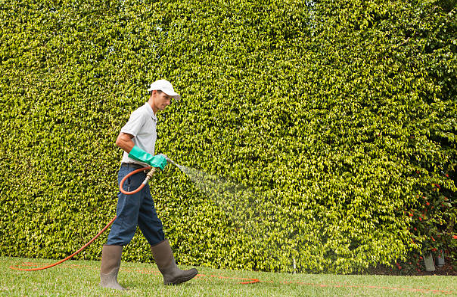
447	269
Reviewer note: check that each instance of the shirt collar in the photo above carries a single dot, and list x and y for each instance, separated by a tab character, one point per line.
150	111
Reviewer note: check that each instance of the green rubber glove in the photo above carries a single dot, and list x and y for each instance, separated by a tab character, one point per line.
138	154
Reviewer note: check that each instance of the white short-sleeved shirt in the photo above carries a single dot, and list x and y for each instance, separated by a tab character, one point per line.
142	125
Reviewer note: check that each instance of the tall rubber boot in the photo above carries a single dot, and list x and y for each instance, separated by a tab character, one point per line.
111	261
165	261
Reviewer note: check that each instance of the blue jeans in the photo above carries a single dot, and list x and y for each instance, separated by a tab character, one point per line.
135	210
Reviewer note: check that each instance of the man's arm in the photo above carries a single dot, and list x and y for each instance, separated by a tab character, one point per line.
125	142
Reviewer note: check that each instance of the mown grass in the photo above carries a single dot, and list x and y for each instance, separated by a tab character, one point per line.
81	278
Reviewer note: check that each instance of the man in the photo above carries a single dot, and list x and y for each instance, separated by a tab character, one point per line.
137	138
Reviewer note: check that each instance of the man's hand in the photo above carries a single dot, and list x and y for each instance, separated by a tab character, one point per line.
158	161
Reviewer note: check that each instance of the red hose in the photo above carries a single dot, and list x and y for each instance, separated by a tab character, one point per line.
127	176
99	233
69	257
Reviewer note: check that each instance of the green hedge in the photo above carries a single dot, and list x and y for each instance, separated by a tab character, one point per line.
328	121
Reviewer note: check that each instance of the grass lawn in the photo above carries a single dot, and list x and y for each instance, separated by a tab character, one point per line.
81	278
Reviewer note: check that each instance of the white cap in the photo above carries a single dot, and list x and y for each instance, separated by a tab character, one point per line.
166	87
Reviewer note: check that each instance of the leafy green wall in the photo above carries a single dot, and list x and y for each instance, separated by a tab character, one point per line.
339	115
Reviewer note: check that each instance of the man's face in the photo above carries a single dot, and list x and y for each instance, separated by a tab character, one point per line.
161	100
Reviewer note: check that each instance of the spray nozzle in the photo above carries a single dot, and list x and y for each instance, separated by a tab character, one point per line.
169	160
166	157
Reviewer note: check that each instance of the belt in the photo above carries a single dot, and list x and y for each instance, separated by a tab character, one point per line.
132	165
